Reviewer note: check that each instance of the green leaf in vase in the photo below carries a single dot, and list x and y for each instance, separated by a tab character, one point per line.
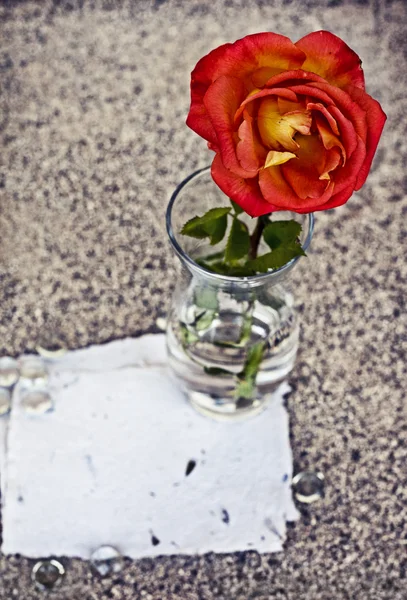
233	270
245	389
253	360
206	297
204	320
217	229
277	258
211	257
238	242
247	378
246	330
212	225
217	371
187	336
277	233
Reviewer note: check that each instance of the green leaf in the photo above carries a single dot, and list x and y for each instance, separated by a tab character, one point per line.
205	265
206	226
245	389
277	258
247	378
216	267
214	213
195	229
232	270
238	241
240	271
238	210
209	257
217	371
205	320
253	360
246	330
220	344
206	297
217	229
281	232
187	336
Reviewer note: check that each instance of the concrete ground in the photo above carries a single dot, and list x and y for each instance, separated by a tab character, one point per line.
93	101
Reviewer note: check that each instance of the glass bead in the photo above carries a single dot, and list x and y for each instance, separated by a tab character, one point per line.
47	574
9	371
308	486
106	560
36	401
5	401
33	371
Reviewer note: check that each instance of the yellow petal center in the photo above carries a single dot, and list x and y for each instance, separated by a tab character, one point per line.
277	131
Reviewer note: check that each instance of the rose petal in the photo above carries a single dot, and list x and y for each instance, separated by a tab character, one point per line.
345	106
376	119
289	78
275	92
329	139
350	117
334	201
197	118
276	190
221	102
260	76
322	109
213	147
245	192
303	174
240	59
309	90
305	183
311	152
254	52
285	106
330	57
348	174
300	120
249	150
332	161
348	133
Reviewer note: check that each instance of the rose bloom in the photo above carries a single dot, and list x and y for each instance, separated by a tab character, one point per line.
291	124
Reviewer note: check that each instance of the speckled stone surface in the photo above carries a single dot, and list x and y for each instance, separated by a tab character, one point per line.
93	101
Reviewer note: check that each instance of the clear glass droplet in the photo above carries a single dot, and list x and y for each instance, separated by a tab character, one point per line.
47	574
33	370
308	486
5	401
9	371
51	354
106	560
36	402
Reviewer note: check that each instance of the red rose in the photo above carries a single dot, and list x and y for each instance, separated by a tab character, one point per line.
291	124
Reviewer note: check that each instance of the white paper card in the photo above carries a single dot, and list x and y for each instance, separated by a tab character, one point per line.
108	465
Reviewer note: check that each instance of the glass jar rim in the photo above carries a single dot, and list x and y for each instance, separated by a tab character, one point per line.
251	280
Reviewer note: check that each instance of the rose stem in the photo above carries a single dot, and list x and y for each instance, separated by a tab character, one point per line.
256	237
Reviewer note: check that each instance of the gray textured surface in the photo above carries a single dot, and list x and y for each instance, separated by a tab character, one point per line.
93	99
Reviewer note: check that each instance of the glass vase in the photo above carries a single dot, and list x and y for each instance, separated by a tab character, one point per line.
231	340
